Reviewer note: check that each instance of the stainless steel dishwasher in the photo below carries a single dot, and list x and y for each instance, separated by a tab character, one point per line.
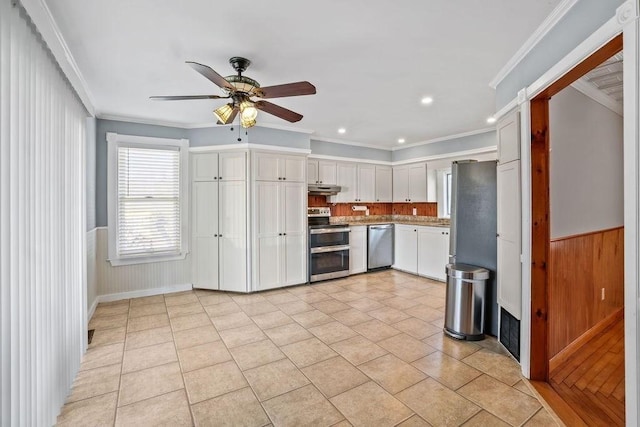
380	246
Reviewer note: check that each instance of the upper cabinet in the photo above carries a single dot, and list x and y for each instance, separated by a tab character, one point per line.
508	131
357	182
384	184
276	167
410	183
321	172
204	167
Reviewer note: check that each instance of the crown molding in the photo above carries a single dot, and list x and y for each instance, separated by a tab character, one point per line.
598	96
285	127
446	138
43	20
550	21
349	159
481	150
345	142
247	146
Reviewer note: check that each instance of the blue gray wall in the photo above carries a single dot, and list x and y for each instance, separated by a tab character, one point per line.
256	135
465	143
578	24
90	156
351	151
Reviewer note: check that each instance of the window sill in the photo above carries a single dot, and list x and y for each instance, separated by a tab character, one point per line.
118	262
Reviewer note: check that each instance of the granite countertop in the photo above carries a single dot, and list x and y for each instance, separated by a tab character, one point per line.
391	219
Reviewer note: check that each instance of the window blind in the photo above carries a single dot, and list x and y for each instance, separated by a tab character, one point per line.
148	211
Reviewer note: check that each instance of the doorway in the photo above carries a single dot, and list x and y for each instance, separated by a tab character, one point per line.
570	320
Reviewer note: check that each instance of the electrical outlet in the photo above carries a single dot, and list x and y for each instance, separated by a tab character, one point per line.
415	211
602	294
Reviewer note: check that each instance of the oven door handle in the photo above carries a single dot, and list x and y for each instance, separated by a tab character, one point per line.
328	230
325	249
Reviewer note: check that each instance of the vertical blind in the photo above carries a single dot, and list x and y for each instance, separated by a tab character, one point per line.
42	228
148	211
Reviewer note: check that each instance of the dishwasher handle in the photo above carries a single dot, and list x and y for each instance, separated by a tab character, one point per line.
381	227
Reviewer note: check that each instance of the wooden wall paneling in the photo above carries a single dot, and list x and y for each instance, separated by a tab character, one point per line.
540	233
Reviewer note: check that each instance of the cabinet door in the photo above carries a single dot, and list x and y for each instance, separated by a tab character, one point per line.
267	167
400	184
406	248
233	236
508	131
312	172
347	176
327	172
294	170
204	204
294	227
433	252
268	234
232	166
204	166
508	227
417	190
358	250
366	183
383	184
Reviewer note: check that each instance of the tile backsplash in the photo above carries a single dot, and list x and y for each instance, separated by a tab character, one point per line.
345	209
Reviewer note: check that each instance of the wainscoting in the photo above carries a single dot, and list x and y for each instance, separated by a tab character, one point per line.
580	267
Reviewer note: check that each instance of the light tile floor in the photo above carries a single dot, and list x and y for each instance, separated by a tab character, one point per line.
367	350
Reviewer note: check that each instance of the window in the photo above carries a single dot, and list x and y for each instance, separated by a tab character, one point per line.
444	183
147	199
447	193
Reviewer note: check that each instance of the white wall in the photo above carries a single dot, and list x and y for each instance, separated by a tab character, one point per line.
586	165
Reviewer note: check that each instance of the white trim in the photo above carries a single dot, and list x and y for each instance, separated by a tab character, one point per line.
550	22
481	150
247	146
285	127
348	159
627	15
506	109
445	138
145	292
597	95
115	140
92	310
344	142
595	41
43	19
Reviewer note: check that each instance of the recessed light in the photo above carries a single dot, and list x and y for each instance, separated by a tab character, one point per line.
342	130
427	100
491	120
401	141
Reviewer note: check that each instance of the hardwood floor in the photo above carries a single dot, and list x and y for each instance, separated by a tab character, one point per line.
591	381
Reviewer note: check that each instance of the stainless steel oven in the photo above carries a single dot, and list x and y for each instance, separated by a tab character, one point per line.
328	247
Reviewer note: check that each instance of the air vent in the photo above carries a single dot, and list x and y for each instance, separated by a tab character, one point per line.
510	333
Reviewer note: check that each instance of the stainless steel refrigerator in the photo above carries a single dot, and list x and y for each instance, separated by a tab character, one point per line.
473	238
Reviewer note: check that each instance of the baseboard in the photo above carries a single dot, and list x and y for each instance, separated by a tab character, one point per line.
92	309
577	344
557	404
144	292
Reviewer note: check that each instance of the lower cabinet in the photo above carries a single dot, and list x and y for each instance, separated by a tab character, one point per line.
406	248
358	249
433	252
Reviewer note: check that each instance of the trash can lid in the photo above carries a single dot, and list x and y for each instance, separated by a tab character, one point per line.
466	271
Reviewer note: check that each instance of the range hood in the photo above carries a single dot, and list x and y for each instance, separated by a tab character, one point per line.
323	190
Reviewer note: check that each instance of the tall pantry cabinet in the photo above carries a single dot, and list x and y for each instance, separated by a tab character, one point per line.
279	220
219	220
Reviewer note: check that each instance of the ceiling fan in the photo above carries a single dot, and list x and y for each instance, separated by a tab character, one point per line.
240	89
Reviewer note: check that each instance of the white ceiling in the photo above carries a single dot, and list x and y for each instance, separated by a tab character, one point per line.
371	61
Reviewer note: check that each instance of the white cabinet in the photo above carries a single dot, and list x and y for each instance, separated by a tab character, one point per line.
357	182
410	183
384	186
280	234
219	217
406	248
358	249
276	167
321	172
433	252
508	131
509	247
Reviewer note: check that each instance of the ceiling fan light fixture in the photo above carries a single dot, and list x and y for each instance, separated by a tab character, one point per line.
247	123
248	111
243	84
223	113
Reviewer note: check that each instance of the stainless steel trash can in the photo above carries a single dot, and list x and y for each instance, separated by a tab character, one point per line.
465	302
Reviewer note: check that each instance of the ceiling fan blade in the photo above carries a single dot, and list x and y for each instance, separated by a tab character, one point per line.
276	110
185	97
211	75
289	89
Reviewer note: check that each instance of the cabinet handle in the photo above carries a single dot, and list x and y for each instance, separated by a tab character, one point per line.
219	235
284	234
284	178
215	235
215	177
219	177
320	182
279	234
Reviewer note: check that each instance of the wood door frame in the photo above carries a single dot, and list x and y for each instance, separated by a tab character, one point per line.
540	204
